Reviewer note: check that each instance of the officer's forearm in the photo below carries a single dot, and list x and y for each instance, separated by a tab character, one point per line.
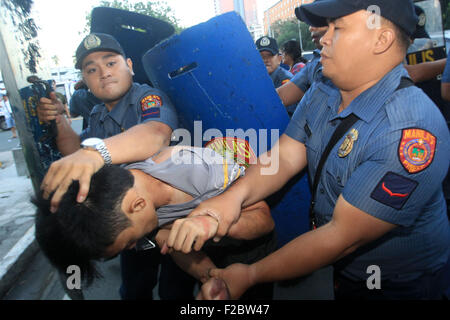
67	139
302	256
289	93
197	264
426	71
138	143
255	221
445	91
273	170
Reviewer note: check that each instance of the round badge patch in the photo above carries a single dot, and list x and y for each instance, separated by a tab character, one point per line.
422	20
265	42
416	149
92	41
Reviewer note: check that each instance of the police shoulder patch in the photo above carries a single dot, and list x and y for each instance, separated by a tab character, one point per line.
150	106
416	150
394	190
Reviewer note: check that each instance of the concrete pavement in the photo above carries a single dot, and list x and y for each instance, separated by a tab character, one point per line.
16	222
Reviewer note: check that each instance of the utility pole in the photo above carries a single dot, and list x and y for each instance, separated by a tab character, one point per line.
300	34
15	67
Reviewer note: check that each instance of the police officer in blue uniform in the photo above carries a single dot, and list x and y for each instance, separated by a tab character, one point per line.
82	102
135	122
129	114
268	48
379	211
292	92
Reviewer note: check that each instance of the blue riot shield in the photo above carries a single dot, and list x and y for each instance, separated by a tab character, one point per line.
224	97
135	32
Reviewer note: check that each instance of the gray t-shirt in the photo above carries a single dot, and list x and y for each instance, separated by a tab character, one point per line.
200	172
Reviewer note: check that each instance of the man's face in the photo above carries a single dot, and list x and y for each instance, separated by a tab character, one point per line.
316	34
126	240
108	75
272	62
347	48
143	220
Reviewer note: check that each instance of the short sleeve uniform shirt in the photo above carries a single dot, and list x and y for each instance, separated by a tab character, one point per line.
390	164
140	104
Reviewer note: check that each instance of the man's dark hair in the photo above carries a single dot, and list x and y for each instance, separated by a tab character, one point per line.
79	233
292	48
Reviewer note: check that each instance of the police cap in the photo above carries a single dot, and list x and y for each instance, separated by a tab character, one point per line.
96	42
267	44
400	12
420	28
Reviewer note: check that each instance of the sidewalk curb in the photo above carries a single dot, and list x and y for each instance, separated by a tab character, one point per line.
14	262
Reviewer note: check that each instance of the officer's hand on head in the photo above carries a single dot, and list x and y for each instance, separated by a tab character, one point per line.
49	108
79	166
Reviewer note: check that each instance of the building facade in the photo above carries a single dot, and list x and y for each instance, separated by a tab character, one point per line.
247	9
282	10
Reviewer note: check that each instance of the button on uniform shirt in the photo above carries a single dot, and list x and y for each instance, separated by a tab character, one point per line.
390	164
140	104
280	76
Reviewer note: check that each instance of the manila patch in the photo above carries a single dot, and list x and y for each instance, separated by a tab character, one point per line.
394	190
416	150
151	107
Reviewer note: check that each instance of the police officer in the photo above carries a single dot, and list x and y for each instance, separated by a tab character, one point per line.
268	48
379	208
108	74
293	91
135	122
82	102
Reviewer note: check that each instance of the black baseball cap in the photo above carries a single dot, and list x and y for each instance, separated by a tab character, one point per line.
420	28
267	44
399	12
97	42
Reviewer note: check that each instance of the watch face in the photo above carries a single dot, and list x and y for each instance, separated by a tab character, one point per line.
91	142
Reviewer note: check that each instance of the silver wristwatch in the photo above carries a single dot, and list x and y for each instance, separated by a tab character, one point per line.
99	146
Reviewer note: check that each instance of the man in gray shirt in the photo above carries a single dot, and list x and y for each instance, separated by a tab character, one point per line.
126	204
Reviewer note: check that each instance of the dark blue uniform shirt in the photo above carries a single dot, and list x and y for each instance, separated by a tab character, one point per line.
310	73
391	165
81	104
280	76
140	104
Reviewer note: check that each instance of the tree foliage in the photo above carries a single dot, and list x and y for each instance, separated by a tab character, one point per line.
157	9
290	30
445	4
19	12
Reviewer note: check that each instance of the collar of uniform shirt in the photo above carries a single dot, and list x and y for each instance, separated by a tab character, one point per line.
368	103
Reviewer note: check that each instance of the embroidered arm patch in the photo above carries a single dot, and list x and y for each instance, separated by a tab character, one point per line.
394	190
151	107
416	150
